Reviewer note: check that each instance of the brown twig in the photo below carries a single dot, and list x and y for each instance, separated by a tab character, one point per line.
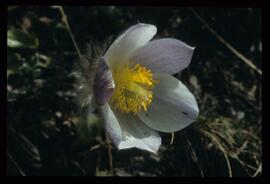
229	46
209	135
16	164
110	154
64	19
259	170
193	155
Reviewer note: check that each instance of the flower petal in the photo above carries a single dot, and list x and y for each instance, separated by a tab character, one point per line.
137	134
128	131
111	124
164	55
133	38
173	107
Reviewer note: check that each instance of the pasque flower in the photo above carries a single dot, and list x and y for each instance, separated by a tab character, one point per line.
137	94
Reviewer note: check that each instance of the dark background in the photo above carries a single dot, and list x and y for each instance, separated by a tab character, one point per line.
44	133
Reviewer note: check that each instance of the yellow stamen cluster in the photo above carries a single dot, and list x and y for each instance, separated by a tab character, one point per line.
133	88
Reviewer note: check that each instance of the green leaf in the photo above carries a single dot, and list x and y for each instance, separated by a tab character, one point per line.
16	38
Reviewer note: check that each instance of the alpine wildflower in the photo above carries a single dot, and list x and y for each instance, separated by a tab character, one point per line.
136	92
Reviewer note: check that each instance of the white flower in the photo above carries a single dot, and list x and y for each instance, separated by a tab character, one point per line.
143	97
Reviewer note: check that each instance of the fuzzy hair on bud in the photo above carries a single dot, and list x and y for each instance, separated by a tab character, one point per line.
85	75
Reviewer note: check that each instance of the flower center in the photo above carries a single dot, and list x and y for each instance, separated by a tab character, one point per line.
133	88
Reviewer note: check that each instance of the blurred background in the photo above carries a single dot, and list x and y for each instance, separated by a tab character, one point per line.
45	135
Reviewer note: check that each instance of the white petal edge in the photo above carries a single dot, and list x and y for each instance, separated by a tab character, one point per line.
111	124
137	134
128	131
173	108
133	38
165	55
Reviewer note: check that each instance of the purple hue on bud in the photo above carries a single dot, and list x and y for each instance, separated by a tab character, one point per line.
103	83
